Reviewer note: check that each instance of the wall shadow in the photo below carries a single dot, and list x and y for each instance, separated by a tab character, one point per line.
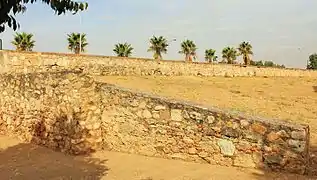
28	161
35	161
310	174
315	88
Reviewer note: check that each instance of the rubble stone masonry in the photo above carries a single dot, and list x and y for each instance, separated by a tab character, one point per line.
106	65
70	112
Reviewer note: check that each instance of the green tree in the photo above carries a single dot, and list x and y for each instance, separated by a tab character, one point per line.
210	55
245	49
158	45
229	54
23	41
256	63
10	8
188	48
74	42
269	64
123	50
312	62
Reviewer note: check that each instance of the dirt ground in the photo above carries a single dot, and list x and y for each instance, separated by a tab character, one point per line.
21	161
293	99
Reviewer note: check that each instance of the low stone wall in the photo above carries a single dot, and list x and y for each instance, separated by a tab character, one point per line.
154	126
70	112
106	65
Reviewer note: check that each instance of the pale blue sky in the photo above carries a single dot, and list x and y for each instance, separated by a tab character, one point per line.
276	28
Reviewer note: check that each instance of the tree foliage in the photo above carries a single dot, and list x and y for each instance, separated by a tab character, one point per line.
158	45
123	50
10	8
210	55
245	49
23	41
229	54
188	48
74	42
312	62
266	64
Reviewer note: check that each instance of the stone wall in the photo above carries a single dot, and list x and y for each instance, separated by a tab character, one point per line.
148	125
70	112
53	109
106	65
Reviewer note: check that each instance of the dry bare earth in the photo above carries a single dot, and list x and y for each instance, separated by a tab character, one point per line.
293	99
22	161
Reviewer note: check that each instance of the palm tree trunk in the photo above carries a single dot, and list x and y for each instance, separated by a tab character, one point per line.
186	58
77	50
248	60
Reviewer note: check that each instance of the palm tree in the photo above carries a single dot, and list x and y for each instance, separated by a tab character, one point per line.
210	55
74	42
230	54
188	48
23	41
158	45
245	49
123	50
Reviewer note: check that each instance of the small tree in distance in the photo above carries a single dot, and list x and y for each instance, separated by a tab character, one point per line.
123	50
245	49
312	62
188	48
158	45
229	54
23	41
210	55
74	42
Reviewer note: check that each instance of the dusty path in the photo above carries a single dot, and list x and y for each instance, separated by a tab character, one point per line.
20	161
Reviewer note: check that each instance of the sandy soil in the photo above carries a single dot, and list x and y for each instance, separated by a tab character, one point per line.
21	161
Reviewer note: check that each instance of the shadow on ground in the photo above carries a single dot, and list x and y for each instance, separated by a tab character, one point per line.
28	161
23	161
310	174
315	88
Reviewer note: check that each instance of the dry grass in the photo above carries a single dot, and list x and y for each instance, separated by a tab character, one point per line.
293	99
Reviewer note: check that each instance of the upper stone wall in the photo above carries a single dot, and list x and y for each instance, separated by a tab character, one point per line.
107	65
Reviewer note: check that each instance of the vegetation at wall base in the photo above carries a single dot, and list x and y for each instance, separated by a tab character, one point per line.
266	64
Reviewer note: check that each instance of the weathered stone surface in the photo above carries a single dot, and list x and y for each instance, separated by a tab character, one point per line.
159	107
146	114
274	159
244	160
244	123
210	119
272	136
192	151
227	147
195	115
259	128
188	140
176	115
298	135
298	146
